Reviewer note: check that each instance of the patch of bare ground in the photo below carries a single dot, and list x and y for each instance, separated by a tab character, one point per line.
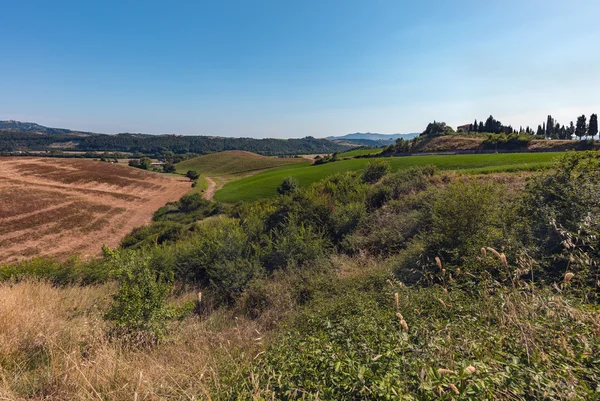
210	190
58	207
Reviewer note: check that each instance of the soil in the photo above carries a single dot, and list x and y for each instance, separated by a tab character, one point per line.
61	207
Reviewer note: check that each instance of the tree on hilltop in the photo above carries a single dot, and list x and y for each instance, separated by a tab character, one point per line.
581	127
593	126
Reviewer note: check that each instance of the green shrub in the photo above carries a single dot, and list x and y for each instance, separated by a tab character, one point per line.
139	310
288	186
375	170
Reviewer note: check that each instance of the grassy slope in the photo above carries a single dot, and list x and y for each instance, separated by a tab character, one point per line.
265	184
232	163
360	152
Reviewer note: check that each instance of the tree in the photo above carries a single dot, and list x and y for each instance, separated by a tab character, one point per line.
289	185
192	175
581	127
145	163
540	131
169	168
570	131
436	129
593	126
549	127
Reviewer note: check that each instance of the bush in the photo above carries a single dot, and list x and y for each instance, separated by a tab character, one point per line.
288	186
375	170
139	310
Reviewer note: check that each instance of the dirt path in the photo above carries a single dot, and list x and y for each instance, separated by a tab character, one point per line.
210	191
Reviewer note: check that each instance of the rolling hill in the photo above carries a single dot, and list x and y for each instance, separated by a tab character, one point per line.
233	163
265	183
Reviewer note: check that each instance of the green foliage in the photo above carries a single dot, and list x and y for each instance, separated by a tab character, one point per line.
66	272
158	233
349	343
563	208
192	175
375	170
437	129
507	141
265	184
289	185
140	305
169	168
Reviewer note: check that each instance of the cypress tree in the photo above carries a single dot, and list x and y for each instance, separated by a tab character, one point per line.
581	127
593	126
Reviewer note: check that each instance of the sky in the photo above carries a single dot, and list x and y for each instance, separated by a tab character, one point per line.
291	68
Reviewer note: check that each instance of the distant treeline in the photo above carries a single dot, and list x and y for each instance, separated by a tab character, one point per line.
13	140
550	129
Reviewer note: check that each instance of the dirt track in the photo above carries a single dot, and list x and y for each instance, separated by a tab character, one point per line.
210	191
61	207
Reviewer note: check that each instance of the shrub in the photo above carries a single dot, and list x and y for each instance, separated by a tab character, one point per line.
375	170
139	310
288	186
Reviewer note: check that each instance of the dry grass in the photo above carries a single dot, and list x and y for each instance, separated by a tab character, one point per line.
60	207
53	345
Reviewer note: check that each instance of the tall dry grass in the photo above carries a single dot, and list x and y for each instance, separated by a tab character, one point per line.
53	345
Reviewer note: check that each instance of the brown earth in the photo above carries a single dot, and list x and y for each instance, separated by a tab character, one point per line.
210	191
60	207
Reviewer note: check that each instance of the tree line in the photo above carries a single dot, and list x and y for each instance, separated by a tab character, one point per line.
14	140
550	129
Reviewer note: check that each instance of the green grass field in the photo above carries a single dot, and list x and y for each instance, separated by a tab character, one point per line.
359	152
232	164
265	184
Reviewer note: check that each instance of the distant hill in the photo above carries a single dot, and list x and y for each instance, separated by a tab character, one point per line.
374	136
371	139
36	128
23	137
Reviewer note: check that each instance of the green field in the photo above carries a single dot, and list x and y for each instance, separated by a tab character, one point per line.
232	164
265	184
359	152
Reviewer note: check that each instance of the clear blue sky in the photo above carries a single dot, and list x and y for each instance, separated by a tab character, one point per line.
287	68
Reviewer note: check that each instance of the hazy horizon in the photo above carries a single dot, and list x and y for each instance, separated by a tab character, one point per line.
296	69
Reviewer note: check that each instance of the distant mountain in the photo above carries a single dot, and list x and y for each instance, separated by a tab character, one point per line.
16	136
373	136
38	129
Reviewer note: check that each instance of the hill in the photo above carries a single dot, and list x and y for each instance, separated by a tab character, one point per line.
19	126
23	137
476	143
265	184
233	163
374	136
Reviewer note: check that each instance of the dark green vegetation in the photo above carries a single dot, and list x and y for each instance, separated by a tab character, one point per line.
375	284
30	137
265	184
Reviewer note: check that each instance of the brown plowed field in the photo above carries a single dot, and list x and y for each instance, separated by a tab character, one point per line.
63	207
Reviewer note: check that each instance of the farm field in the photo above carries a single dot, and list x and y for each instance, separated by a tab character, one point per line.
360	152
265	184
233	163
60	207
227	166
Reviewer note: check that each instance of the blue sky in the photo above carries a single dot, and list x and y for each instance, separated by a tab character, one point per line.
291	68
